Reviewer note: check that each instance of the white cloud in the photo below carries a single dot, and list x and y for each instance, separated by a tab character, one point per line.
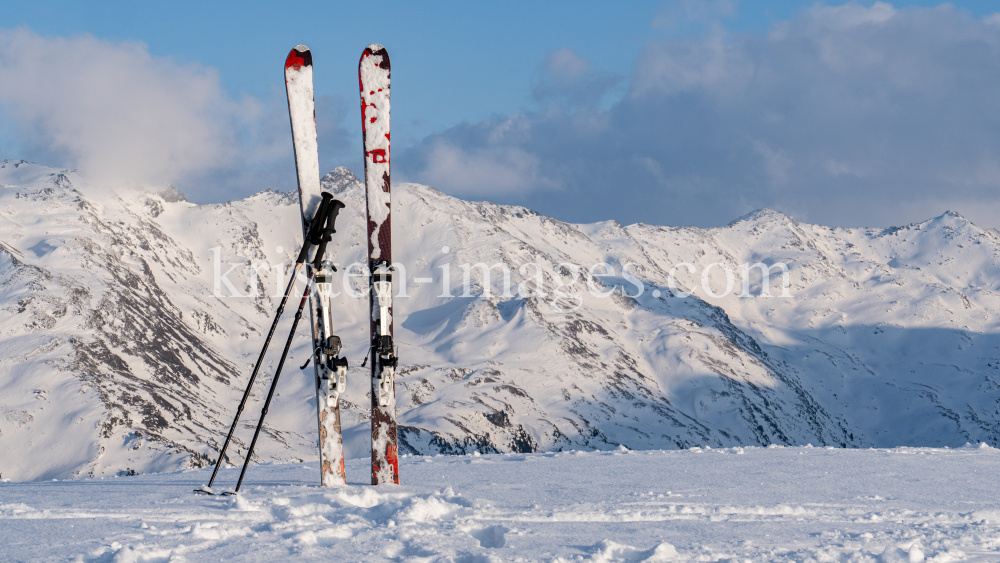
566	64
566	77
112	109
482	172
838	115
124	116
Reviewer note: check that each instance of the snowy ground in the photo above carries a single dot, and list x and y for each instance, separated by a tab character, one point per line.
749	504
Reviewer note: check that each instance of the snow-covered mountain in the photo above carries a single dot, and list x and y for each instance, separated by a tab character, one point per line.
124	348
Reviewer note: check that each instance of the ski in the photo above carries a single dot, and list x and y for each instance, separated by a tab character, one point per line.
321	233
302	112
373	78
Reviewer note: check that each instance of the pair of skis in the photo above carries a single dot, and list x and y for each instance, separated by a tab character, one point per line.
319	211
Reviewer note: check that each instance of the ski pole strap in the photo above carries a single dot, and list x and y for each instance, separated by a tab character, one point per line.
305	365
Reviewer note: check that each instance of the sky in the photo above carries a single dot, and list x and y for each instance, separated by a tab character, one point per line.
681	112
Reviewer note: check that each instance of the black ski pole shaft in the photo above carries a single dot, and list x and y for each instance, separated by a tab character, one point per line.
319	232
315	230
274	383
253	375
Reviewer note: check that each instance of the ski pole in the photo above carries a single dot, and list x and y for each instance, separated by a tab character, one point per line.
270	392
313	237
325	236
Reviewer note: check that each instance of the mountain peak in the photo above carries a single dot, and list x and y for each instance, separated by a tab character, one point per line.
171	194
763	215
948	219
339	180
951	215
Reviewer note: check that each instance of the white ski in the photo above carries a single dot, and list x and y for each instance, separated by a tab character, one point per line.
302	111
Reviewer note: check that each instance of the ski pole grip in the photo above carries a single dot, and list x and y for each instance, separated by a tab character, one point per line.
312	235
317	223
332	212
304	253
320	251
326	235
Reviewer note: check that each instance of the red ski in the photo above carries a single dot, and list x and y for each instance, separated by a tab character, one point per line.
373	77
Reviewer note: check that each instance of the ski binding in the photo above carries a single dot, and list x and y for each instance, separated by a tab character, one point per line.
382	283
333	371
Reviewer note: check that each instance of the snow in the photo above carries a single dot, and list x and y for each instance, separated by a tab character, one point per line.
702	504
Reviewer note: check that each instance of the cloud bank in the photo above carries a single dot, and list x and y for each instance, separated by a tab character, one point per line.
845	115
125	117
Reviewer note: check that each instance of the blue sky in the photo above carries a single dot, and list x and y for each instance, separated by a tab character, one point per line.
678	113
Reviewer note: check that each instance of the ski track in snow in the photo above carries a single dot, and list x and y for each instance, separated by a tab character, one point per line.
735	504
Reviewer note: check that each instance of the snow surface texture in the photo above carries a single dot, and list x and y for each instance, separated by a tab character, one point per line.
116	355
737	505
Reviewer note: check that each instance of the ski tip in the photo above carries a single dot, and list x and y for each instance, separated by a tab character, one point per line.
377	50
299	57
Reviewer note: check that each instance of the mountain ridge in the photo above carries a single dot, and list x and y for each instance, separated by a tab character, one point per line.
119	337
